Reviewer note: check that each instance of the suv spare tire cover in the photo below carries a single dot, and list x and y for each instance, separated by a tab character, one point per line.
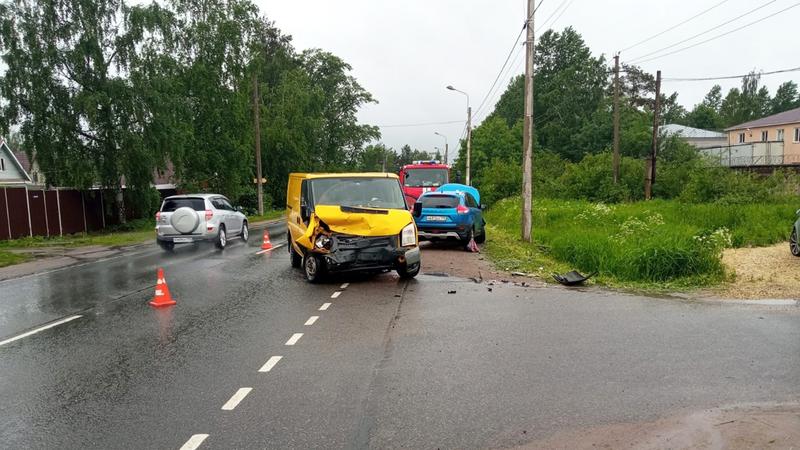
184	220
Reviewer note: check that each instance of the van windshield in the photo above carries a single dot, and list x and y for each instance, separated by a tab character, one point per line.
358	192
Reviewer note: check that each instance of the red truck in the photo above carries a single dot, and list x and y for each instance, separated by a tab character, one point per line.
422	176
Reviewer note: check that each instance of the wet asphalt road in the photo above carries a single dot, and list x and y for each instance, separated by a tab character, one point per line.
387	364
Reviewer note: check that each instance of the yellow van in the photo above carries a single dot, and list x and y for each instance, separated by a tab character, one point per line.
347	222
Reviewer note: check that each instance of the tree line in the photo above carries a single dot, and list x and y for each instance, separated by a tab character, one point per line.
573	132
108	92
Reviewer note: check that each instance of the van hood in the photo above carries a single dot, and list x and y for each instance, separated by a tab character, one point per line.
344	220
363	221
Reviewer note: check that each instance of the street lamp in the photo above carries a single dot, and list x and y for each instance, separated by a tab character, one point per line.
469	130
445	145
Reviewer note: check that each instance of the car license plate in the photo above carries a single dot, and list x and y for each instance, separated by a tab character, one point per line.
437	218
182	240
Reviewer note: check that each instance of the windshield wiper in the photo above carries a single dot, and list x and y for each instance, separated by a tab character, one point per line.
353	209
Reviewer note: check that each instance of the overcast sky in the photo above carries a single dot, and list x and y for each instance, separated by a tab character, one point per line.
406	52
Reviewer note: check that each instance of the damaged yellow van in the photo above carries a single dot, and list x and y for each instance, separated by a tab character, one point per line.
347	222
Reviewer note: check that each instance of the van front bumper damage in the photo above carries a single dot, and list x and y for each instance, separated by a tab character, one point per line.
357	253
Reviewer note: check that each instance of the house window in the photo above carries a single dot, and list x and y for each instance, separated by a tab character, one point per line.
2	165
741	138
765	136
797	134
780	135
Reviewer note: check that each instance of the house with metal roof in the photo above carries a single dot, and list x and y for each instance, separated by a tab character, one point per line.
11	169
771	141
696	137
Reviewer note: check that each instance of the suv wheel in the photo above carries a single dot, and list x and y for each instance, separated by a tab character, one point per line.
166	245
794	246
222	238
313	267
245	231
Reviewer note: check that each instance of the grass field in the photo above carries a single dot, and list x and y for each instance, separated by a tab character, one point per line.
8	258
657	244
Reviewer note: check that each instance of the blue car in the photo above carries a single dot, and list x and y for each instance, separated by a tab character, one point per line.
451	212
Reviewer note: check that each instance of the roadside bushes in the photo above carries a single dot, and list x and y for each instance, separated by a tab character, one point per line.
661	241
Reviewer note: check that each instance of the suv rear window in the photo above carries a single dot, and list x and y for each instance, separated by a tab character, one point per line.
171	204
439	201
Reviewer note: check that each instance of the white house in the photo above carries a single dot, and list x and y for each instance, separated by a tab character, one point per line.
11	170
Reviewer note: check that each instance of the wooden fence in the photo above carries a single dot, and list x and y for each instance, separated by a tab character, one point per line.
35	211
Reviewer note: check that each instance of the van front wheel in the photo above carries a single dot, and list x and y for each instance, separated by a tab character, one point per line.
313	267
405	271
296	258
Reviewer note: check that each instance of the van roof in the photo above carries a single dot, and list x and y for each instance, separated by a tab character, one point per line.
345	175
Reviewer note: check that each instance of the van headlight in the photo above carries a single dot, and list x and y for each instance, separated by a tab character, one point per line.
408	237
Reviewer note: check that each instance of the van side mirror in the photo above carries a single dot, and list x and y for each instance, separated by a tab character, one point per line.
483	207
304	212
239	208
417	209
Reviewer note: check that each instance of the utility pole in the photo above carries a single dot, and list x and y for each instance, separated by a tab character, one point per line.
445	145
616	120
257	119
469	141
527	135
650	176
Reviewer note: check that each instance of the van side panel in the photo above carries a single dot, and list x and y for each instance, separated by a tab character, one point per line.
294	224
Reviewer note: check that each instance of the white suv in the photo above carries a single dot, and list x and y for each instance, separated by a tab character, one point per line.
199	217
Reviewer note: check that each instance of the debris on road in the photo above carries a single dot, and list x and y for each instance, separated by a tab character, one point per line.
451	292
572	278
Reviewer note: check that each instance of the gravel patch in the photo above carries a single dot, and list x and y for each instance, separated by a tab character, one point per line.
762	273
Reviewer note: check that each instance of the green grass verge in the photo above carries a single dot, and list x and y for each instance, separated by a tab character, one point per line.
268	215
134	232
8	258
657	245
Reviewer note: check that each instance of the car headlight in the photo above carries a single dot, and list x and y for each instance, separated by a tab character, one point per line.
408	237
323	241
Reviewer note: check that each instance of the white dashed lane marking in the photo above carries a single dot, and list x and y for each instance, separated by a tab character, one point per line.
311	320
270	364
237	397
293	340
51	325
344	286
336	294
194	442
324	306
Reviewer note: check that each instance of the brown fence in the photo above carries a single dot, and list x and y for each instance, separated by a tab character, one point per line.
31	211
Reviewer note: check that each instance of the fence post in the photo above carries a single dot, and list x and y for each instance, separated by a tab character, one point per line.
83	207
28	203
8	216
58	204
46	219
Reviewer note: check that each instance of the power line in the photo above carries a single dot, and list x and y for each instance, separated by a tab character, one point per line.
732	77
703	32
510	52
555	11
721	35
559	14
425	124
493	95
673	27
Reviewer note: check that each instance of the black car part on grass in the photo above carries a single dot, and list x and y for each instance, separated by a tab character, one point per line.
572	278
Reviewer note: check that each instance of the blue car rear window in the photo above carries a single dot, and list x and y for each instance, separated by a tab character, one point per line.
439	201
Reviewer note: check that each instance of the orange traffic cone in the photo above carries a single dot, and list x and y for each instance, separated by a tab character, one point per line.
162	297
267	244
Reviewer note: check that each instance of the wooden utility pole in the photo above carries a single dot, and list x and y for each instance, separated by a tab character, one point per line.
650	176
527	134
615	162
257	120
